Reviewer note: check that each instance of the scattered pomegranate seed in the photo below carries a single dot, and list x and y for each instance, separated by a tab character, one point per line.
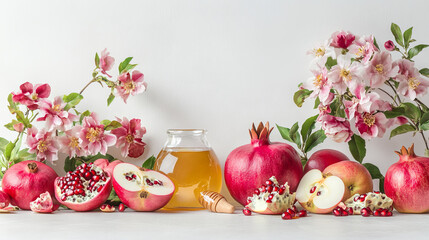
344	213
365	212
247	212
286	216
295	209
336	212
291	212
389	214
349	210
302	213
121	207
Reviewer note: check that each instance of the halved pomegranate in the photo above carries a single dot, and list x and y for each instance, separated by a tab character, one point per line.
84	189
141	189
43	204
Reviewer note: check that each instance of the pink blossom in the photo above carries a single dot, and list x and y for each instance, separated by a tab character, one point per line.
389	45
411	82
319	85
130	84
42	143
363	48
19	127
130	137
94	140
344	75
55	115
321	53
29	95
336	128
363	101
380	69
106	62
371	125
342	39
323	110
71	143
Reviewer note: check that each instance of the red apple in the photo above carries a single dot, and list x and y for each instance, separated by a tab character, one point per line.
356	177
323	158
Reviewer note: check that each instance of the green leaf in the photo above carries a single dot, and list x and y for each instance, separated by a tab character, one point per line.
300	96
357	148
316	103
84	114
314	139
21	118
424	122
411	111
72	100
24	155
13	106
69	164
11	124
112	125
3	143
284	132
376	44
373	170
424	72
123	65
105	122
416	50
97	60
99	156
336	108
8	150
307	127
395	112
330	62
401	130
294	134
129	67
407	36
110	99
149	163
15	150
397	33
113	198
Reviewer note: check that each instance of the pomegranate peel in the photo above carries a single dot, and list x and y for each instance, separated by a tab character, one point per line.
370	200
4	199
43	204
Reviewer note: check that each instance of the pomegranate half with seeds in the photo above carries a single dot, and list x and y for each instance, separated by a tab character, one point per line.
141	189
84	189
271	198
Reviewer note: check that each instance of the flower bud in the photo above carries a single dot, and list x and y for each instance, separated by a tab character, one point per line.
389	45
18	127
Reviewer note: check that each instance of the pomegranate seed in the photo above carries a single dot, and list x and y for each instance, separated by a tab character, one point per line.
291	212
121	207
270	196
269	182
344	213
281	191
389	214
302	213
83	165
257	192
93	172
350	211
76	192
263	188
336	212
377	213
365	212
295	209
318	193
247	212
249	201
362	197
269	201
96	178
313	189
384	212
63	198
276	189
99	189
103	206
103	179
356	198
269	188
134	177
87	175
377	192
286	216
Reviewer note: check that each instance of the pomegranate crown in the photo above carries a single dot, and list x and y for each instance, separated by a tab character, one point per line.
406	153
260	133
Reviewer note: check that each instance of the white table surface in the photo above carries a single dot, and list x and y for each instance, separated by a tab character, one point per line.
66	224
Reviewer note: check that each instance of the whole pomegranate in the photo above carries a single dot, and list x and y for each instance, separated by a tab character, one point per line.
25	181
249	166
323	158
407	182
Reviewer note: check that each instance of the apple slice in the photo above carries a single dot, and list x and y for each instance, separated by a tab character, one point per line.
141	189
318	192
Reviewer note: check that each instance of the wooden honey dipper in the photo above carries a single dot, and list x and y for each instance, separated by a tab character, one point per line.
215	202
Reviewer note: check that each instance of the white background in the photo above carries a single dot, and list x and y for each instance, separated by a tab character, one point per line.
218	65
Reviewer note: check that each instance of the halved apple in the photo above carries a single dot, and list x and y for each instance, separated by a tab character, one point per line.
318	192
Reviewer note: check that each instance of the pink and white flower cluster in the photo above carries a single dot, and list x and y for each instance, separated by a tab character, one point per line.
67	132
350	76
